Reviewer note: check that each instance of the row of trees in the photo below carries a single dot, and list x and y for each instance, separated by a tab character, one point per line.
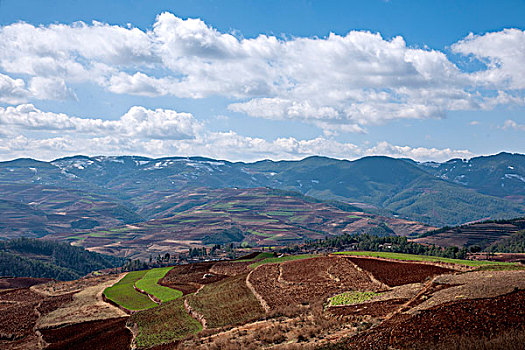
371	242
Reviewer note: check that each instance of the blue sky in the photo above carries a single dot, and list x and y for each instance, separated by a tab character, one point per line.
248	80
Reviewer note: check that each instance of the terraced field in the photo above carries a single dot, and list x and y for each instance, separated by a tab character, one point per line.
257	217
124	294
164	324
227	302
326	302
149	284
413	257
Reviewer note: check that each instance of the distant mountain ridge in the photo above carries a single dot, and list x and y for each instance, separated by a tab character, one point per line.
449	193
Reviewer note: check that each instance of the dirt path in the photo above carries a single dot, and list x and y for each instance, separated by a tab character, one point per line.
261	300
87	305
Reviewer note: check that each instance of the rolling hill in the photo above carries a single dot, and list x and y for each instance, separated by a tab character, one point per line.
428	192
29	210
483	234
256	217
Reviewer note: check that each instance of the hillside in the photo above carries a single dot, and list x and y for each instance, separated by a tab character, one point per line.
426	192
48	259
501	175
482	234
28	210
289	302
256	217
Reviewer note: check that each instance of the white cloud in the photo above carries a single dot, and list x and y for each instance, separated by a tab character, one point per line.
50	89
137	122
417	153
161	132
511	124
502	52
12	90
341	83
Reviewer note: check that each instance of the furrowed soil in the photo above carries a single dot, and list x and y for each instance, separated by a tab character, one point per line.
446	325
19	312
104	334
231	268
302	282
226	303
398	273
163	324
21	282
189	278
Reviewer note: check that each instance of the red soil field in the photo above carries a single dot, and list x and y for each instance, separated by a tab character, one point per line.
231	268
189	278
105	334
21	282
307	281
394	273
446	324
19	310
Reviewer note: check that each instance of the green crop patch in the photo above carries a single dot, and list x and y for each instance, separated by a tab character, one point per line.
414	257
149	284
164	324
350	298
123	293
278	213
353	217
257	233
260	256
227	302
282	259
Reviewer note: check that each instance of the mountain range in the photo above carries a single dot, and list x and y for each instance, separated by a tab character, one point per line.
449	193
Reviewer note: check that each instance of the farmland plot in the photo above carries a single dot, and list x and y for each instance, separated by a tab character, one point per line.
227	302
149	284
124	294
308	281
167	323
398	273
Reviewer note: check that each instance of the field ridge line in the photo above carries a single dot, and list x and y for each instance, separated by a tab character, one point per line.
370	275
151	296
196	315
261	300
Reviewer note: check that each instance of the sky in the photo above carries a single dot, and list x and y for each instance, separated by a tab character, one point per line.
250	80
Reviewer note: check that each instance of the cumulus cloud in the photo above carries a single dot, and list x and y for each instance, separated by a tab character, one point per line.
417	153
511	124
161	132
503	54
12	90
137	122
341	83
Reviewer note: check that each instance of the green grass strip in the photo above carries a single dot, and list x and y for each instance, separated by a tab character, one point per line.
260	256
414	257
149	284
125	295
282	259
350	298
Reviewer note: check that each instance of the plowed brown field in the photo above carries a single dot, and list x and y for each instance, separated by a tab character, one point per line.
231	268
394	273
308	281
106	334
445	325
189	278
21	282
19	311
